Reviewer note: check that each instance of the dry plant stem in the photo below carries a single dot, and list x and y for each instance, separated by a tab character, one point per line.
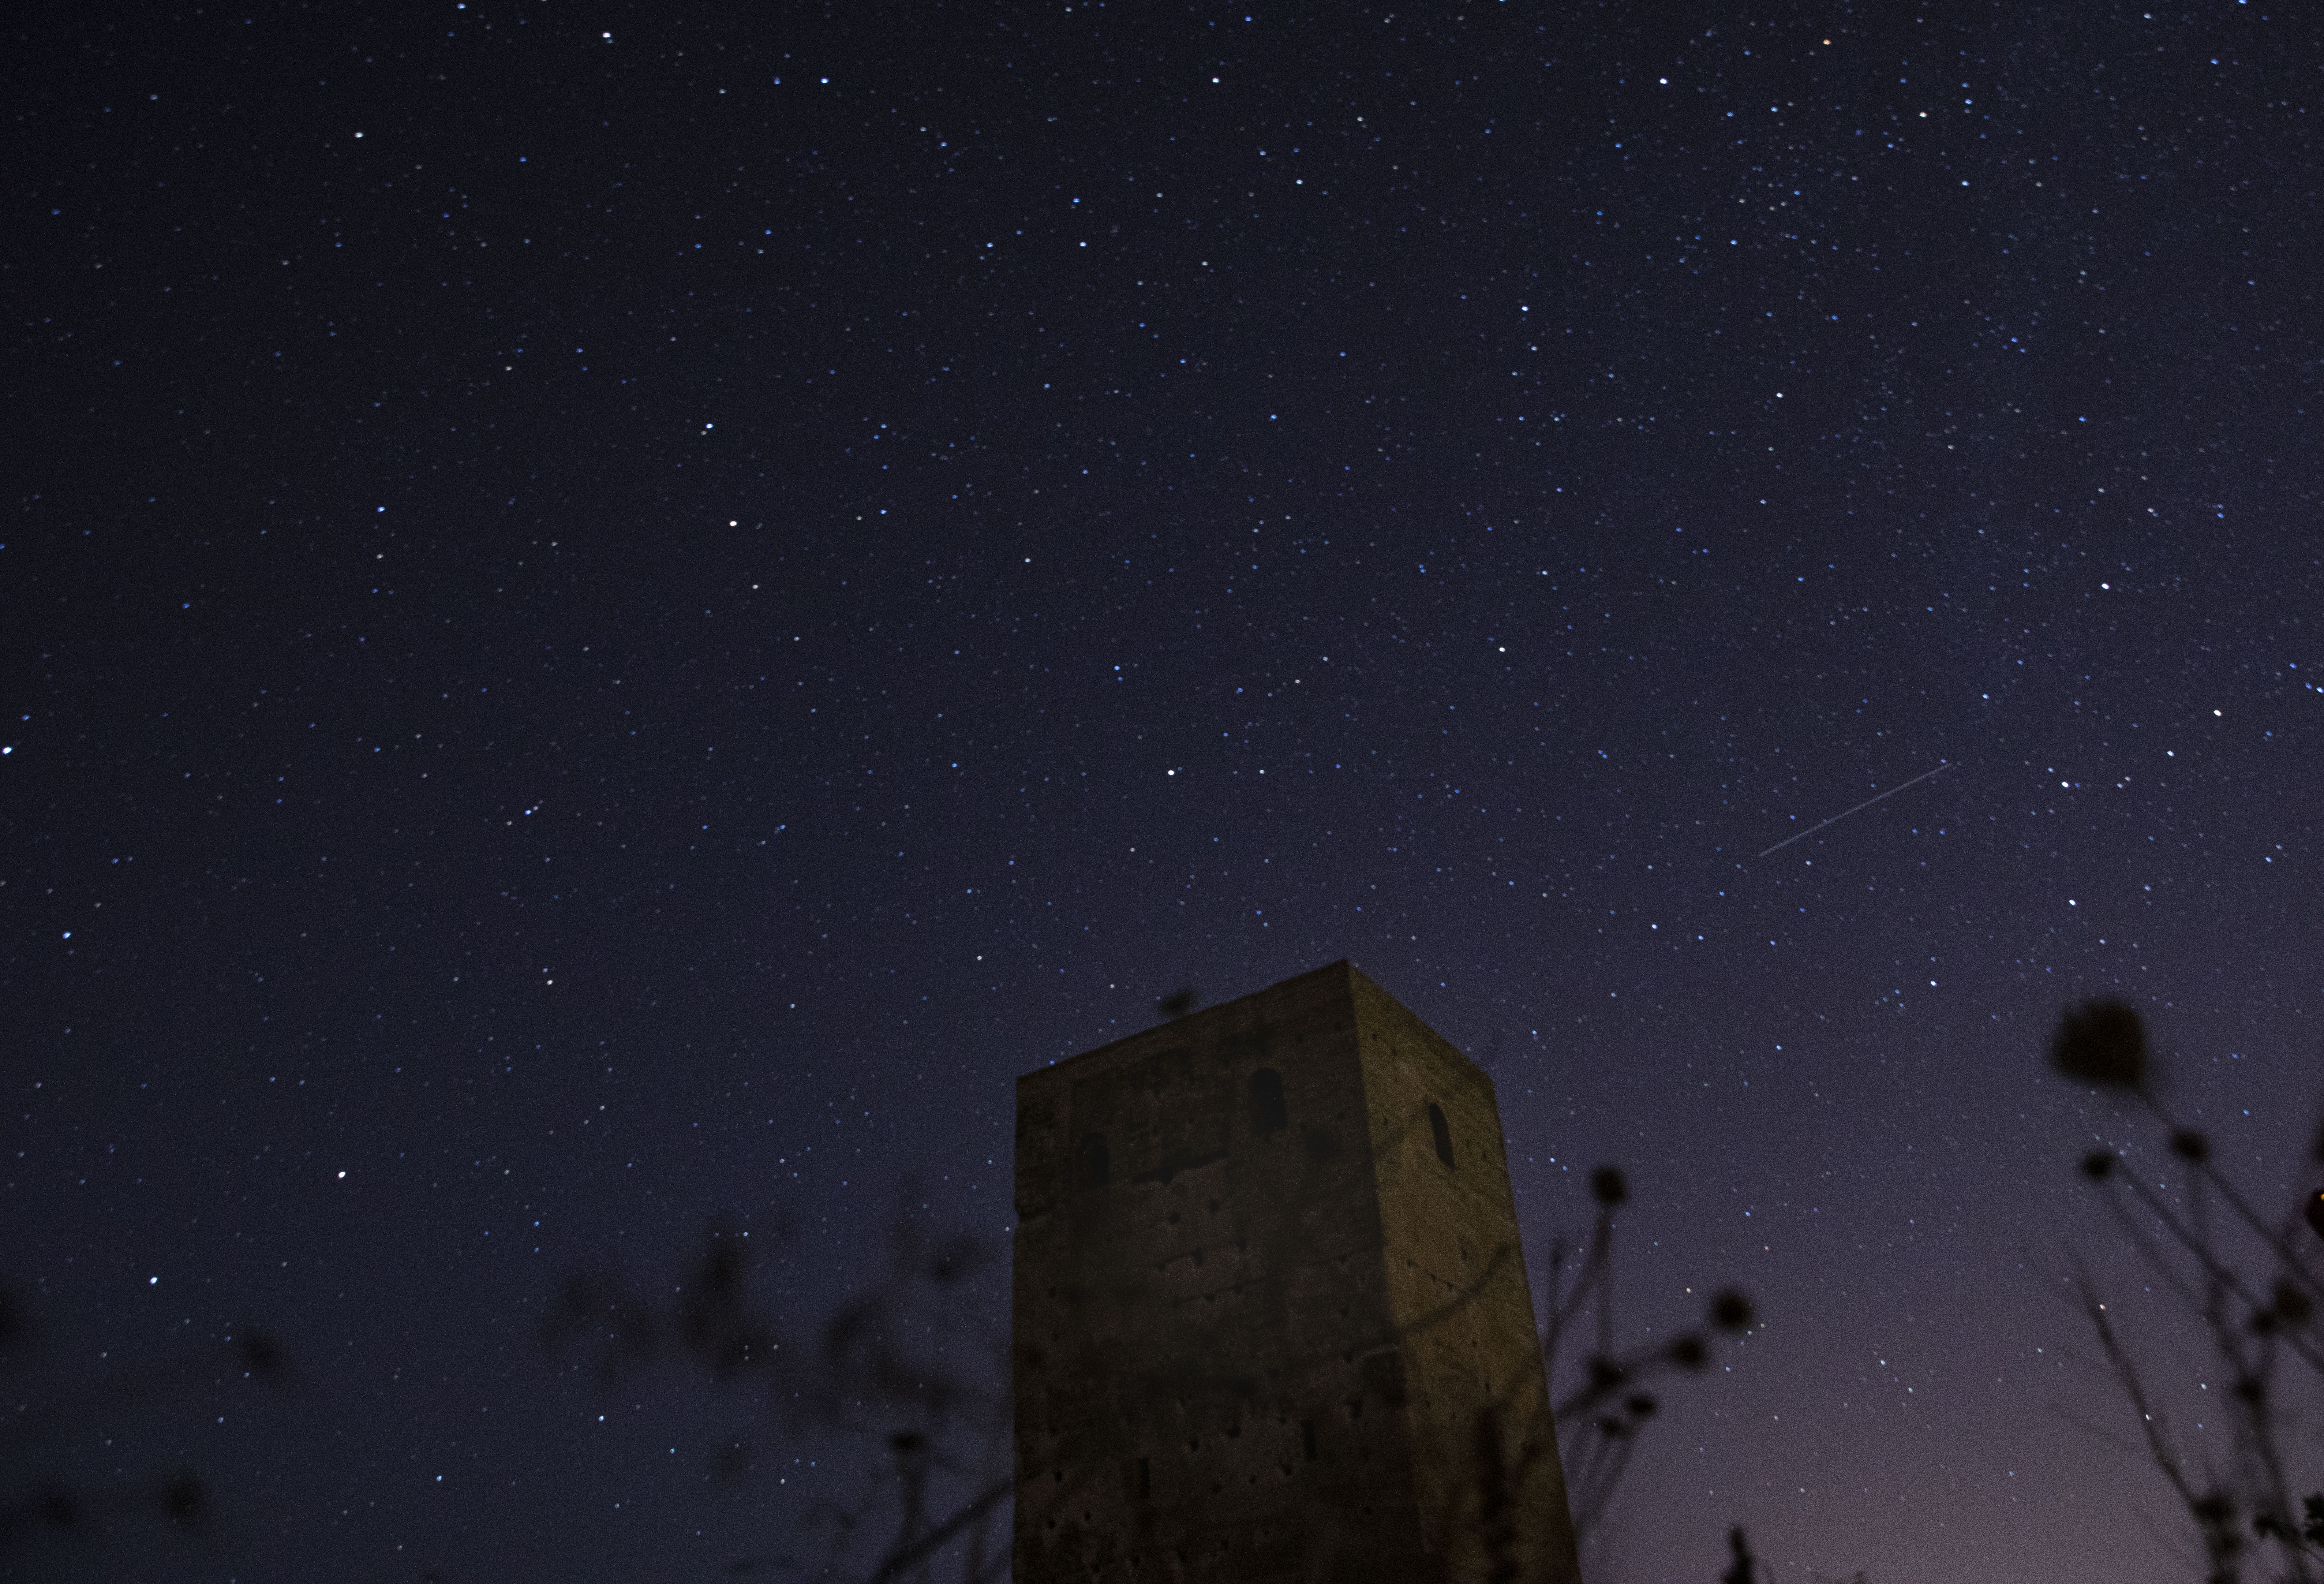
2160	1446
2212	1265
2097	1433
2262	1436
2156	1260
1602	1257
2277	1239
1600	1422
843	1523
2251	1356
2250	1385
1586	1481
861	1384
2279	1485
133	1385
2170	1543
1563	1314
906	1555
1609	1461
1630	1370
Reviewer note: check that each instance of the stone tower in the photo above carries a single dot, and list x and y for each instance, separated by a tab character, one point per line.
1271	1320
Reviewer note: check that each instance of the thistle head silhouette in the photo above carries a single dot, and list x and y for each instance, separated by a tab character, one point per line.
185	1500
2102	1043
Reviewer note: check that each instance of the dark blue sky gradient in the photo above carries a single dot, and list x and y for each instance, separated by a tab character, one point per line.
620	615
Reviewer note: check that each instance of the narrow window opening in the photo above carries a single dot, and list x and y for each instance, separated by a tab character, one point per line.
1438	1126
1266	1110
1094	1170
1307	1438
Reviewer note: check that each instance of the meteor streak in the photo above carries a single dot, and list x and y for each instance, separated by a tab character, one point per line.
1844	813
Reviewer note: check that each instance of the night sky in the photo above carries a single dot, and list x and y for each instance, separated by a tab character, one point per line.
618	614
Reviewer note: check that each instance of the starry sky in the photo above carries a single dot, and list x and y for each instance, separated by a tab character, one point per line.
616	615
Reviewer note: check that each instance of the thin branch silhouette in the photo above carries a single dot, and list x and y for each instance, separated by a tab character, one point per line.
2241	1515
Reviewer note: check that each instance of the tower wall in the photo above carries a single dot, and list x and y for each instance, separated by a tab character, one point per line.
1262	1330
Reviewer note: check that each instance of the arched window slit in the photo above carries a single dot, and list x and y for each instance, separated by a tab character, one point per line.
1267	1113
1442	1130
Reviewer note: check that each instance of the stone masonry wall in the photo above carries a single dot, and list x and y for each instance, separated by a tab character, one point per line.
1234	1353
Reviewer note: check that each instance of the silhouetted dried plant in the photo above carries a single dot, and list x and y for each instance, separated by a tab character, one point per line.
2258	1322
1178	1003
934	1436
938	1437
37	1506
1743	1568
2103	1043
1600	1415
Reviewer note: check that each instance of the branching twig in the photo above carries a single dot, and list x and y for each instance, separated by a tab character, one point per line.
2104	1043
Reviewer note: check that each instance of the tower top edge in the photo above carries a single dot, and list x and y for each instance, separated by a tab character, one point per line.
1195	1025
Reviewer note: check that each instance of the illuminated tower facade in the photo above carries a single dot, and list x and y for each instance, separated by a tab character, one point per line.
1271	1319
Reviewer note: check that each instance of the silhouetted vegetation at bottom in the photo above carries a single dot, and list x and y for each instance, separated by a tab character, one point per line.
2252	1282
1178	1003
882	1373
1602	1413
1743	1568
38	1505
